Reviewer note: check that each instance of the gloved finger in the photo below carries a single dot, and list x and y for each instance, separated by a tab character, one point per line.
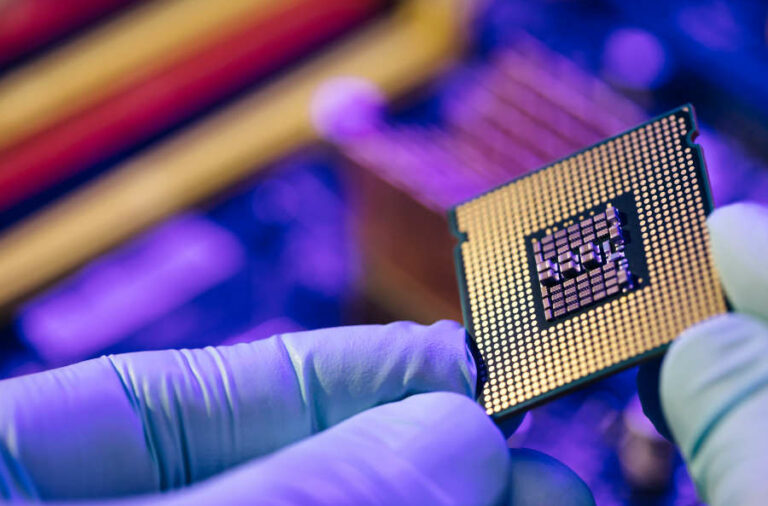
739	241
739	235
714	391
538	479
176	417
437	448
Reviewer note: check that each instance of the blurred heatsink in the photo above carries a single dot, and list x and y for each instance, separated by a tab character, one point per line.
524	107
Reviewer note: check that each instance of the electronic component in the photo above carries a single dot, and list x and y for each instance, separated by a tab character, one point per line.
588	265
583	263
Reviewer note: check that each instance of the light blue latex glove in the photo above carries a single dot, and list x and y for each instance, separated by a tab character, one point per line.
336	416
714	378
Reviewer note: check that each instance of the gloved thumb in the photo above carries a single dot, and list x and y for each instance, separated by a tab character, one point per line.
714	392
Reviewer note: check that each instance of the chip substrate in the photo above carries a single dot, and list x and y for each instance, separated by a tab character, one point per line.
587	266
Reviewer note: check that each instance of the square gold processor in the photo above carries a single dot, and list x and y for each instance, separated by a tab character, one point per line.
587	266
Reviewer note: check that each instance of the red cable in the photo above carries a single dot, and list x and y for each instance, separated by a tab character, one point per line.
27	24
172	94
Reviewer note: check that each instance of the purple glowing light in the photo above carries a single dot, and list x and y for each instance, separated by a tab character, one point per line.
634	58
728	168
712	24
347	107
128	289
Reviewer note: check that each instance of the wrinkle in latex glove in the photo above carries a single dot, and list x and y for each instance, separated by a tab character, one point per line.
252	417
176	417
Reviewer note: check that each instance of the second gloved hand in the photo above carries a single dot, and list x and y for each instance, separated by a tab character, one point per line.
713	383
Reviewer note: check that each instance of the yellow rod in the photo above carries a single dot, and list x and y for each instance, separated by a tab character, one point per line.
397	53
112	57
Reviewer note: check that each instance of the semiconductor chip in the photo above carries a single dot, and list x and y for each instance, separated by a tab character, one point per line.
586	266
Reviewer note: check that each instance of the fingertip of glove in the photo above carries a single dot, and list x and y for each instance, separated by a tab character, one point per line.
739	214
461	430
464	416
708	341
536	478
739	234
458	410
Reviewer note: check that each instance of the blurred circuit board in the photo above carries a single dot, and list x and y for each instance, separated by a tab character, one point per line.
275	257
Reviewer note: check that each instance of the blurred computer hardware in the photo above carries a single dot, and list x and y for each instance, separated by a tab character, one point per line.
195	153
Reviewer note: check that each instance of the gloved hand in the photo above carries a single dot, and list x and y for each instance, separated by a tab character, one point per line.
713	382
336	416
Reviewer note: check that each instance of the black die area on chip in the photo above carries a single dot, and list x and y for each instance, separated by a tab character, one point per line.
586	260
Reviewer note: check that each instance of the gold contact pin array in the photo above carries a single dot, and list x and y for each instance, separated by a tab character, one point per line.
525	361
